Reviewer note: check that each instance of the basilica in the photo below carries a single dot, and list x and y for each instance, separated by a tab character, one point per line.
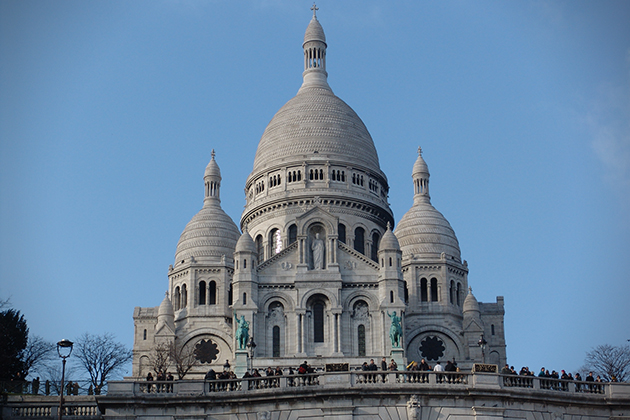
318	268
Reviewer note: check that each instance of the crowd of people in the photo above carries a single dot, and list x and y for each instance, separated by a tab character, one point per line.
544	373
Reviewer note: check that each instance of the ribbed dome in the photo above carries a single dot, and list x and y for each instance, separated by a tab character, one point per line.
389	242
166	307
470	303
314	31
423	231
209	235
316	124
212	169
420	167
246	243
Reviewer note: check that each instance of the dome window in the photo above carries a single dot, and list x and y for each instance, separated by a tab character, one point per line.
424	290
341	232
434	290
212	293
275	242
202	293
359	240
292	234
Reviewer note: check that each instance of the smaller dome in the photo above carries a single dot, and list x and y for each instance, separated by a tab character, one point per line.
210	234
470	303
213	168
314	32
166	307
389	242
424	231
246	243
420	167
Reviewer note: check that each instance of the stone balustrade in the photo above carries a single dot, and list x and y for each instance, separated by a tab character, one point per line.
353	379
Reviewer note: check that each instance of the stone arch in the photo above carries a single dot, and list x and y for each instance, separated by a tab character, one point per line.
145	366
331	297
312	219
372	300
285	299
414	338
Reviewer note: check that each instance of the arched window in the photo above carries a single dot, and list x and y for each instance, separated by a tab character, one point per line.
341	230
406	294
318	322
424	289
177	299
260	249
202	292
434	290
361	339
184	296
292	234
459	294
245	263
244	298
144	334
359	240
276	341
391	296
491	327
452	292
275	241
390	261
212	293
375	238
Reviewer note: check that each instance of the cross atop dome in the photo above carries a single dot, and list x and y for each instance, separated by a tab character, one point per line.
419	151
314	9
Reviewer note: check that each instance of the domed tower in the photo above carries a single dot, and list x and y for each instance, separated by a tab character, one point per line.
316	153
198	312
316	209
436	279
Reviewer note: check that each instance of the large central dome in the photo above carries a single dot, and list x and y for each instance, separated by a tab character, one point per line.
316	123
315	150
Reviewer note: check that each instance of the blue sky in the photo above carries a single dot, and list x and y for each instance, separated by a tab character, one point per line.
109	111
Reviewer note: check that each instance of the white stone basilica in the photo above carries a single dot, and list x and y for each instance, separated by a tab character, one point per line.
317	271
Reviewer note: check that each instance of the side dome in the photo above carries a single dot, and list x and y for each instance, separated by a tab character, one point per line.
246	244
208	236
423	231
316	124
389	242
211	234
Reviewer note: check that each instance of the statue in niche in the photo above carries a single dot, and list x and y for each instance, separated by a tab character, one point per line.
318	253
395	331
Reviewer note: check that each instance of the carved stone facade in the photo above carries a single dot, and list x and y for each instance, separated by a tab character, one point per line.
315	267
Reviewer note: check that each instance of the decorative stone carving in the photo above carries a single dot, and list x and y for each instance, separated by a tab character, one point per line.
413	408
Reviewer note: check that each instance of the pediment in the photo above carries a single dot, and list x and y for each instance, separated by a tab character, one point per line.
314	215
164	330
473	325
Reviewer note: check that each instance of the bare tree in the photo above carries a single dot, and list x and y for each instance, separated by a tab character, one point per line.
37	354
609	362
183	357
101	357
159	360
52	373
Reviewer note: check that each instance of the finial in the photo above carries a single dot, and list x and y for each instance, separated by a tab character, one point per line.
212	154
166	294
419	151
389	226
314	9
